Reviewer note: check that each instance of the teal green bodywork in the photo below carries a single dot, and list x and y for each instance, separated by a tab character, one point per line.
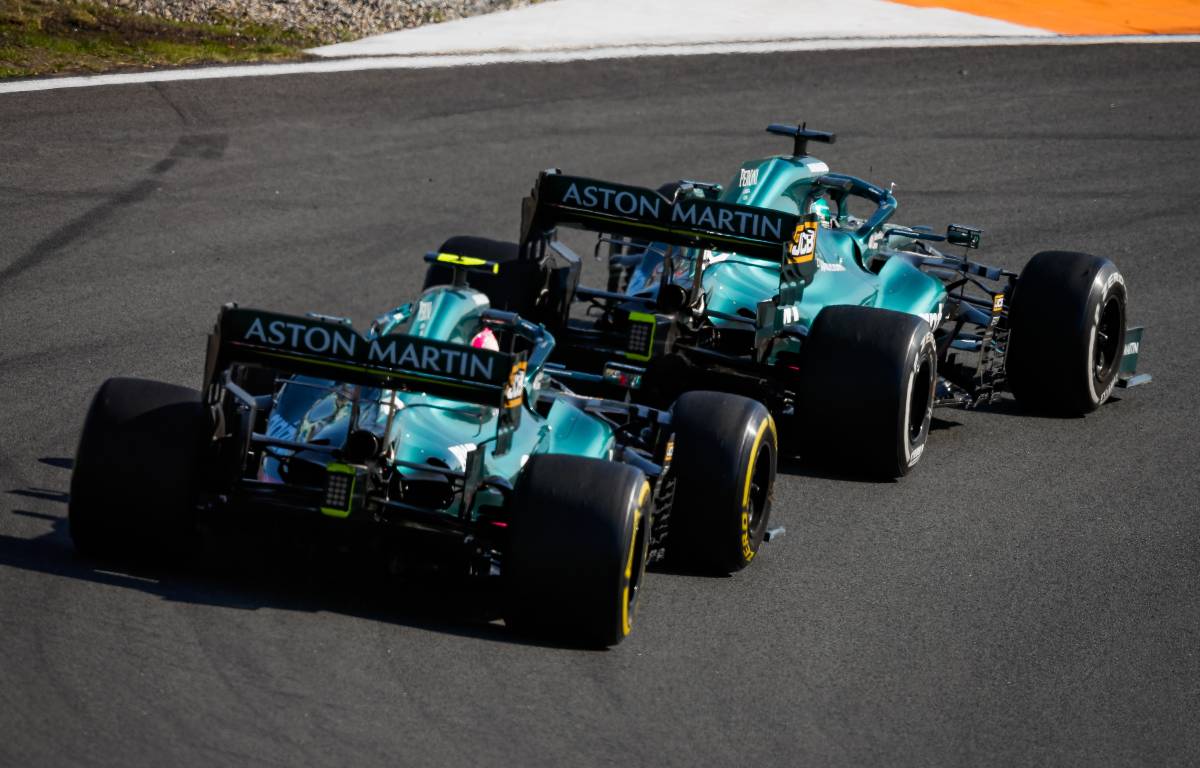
735	284
433	430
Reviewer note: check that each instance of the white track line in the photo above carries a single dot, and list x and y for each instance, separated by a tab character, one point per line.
612	52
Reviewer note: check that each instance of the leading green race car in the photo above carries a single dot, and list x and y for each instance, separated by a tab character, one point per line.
851	330
437	438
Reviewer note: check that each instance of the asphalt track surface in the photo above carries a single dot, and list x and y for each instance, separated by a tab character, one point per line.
1027	596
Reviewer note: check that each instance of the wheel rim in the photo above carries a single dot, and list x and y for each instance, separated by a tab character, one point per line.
1107	353
635	567
760	485
918	400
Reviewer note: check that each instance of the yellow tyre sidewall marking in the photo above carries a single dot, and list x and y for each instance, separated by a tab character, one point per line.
626	618
748	552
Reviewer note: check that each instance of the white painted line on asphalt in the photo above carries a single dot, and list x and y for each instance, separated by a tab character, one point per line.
613	52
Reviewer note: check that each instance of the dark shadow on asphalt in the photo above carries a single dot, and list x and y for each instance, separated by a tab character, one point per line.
937	424
825	470
40	493
37	515
1010	407
247	575
670	568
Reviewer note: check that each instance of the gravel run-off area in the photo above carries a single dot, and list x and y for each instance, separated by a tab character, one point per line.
327	20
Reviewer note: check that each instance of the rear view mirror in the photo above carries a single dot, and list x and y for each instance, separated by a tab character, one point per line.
960	234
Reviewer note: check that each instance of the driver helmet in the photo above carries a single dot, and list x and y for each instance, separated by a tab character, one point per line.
820	206
486	339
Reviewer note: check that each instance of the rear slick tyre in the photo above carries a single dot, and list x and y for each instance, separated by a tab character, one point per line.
724	464
577	553
134	480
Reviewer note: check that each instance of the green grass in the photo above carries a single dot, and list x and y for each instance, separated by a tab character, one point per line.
41	37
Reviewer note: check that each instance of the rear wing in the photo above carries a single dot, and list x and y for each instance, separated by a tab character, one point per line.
330	349
637	212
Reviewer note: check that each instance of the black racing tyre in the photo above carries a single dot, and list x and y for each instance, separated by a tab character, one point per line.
1067	321
516	287
866	390
577	553
724	463
136	469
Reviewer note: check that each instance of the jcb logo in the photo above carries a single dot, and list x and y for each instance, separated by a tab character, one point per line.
514	391
804	242
748	177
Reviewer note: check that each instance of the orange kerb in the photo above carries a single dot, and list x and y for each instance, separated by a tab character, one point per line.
1084	17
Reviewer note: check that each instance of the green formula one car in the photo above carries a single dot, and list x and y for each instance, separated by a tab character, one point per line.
851	330
438	437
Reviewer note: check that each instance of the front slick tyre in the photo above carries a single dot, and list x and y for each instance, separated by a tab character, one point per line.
1067	317
135	470
866	393
577	552
724	465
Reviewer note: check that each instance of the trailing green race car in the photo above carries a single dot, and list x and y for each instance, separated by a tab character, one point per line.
448	453
849	329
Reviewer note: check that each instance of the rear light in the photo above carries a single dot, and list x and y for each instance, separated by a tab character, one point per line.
640	341
623	376
341	481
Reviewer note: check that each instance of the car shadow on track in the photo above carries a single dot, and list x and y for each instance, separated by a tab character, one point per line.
816	468
1010	407
795	466
799	466
937	424
292	581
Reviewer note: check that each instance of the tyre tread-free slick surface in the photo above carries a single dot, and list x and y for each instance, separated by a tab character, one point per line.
578	548
135	469
866	390
724	463
1067	317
